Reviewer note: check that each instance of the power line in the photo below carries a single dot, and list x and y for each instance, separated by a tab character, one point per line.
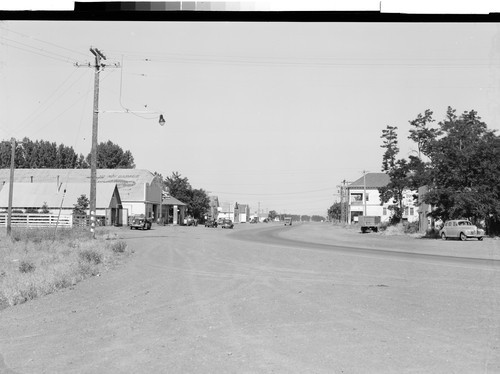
315	62
42	41
36	51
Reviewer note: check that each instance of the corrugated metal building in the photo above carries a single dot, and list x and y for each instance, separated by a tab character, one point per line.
140	190
35	195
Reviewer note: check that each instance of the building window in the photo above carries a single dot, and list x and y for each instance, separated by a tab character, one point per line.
356	197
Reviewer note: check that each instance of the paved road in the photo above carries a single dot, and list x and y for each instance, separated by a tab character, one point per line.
200	300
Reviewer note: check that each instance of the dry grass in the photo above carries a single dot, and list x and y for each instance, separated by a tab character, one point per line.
33	263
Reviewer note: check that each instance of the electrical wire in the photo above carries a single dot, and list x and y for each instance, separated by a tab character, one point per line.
313	62
42	41
67	108
43	54
36	112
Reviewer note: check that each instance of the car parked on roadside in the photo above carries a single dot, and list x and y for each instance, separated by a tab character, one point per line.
140	222
254	220
462	229
219	221
190	221
210	223
227	224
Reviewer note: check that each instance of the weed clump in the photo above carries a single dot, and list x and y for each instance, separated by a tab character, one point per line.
27	267
91	256
119	247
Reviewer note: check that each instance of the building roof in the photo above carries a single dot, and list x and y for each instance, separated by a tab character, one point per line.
34	195
130	182
172	201
373	180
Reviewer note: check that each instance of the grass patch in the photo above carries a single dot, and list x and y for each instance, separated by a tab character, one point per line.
37	262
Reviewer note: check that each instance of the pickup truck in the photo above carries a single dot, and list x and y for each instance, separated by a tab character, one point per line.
368	223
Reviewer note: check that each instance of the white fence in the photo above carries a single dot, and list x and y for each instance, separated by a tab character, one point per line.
37	220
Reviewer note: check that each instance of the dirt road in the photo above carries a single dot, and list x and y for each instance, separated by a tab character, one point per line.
202	300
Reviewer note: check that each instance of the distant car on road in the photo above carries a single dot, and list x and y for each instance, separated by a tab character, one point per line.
288	221
227	224
460	228
210	223
140	222
220	221
190	221
254	220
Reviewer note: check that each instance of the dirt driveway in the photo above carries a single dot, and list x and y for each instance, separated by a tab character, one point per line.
200	300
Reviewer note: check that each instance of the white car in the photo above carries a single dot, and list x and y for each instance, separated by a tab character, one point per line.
460	228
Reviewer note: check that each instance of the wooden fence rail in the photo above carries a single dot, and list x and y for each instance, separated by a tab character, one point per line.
37	220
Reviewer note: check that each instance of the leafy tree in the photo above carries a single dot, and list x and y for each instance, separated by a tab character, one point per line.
40	154
272	215
179	187
112	156
197	200
81	206
464	169
199	204
317	218
398	170
335	211
390	143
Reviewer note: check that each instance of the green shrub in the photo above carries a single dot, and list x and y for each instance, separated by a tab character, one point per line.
411	227
91	256
432	234
26	267
119	247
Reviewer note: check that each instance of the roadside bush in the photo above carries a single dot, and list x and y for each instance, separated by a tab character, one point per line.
411	227
383	226
91	256
432	234
26	267
119	247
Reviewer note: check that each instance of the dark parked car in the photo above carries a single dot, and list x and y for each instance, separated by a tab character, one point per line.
210	223
140	222
254	220
227	224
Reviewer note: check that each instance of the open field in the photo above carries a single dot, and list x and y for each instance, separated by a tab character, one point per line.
204	300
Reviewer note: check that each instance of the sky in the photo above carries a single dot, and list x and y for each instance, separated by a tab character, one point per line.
274	115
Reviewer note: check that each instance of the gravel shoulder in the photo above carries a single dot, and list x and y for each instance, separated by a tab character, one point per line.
195	300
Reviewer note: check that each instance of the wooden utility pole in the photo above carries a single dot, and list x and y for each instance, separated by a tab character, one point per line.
93	153
11	185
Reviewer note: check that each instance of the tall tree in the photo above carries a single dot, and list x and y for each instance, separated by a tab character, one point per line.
335	211
272	215
179	187
465	171
112	156
199	204
197	200
390	143
397	170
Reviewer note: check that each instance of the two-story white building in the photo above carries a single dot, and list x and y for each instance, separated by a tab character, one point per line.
363	198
